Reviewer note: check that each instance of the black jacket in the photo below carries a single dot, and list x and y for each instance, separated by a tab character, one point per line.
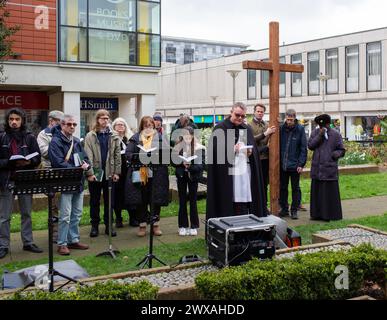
160	180
195	169
30	145
293	147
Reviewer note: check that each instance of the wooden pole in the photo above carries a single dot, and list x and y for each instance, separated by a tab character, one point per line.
274	153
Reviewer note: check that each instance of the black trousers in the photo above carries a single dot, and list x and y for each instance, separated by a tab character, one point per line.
147	210
284	182
182	184
95	189
265	175
119	201
241	209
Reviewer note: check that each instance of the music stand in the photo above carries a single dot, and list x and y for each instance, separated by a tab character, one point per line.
110	252
48	182
147	260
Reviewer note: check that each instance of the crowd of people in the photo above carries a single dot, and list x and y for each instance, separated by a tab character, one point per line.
136	165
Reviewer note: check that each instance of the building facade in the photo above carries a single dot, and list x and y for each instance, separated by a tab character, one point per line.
344	76
80	55
184	50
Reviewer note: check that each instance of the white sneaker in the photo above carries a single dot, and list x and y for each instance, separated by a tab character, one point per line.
193	232
183	232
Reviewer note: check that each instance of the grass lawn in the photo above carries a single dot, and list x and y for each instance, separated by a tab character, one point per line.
171	253
351	187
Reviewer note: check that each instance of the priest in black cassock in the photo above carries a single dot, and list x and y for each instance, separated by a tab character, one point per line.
327	146
234	179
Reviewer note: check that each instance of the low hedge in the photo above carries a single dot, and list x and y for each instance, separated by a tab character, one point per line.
110	290
305	277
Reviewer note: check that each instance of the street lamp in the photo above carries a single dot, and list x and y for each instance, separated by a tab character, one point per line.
233	74
214	99
323	78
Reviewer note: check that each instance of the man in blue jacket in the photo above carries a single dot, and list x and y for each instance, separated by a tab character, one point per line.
293	160
65	151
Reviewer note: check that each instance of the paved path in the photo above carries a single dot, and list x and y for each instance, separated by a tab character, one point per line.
127	238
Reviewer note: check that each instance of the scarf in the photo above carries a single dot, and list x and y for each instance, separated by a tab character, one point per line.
147	143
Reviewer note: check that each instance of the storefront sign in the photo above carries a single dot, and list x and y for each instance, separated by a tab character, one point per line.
110	104
25	100
207	119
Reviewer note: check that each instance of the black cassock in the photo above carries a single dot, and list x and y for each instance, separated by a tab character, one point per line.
220	187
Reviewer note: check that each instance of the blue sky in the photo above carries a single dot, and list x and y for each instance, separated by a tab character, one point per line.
246	21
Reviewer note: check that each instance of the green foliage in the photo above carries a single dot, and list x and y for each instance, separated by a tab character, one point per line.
306	277
6	32
110	290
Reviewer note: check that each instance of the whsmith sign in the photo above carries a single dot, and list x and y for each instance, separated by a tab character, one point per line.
110	104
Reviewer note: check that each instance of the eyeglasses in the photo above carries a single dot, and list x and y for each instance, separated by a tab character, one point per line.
239	115
71	124
119	125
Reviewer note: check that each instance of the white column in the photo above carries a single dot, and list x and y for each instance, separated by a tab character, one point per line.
146	106
72	106
127	110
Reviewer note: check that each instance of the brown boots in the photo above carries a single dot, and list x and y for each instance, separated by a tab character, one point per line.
142	231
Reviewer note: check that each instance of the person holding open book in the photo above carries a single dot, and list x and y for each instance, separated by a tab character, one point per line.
19	150
103	147
188	156
147	182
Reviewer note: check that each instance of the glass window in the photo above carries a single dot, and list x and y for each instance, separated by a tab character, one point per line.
282	88
113	15
74	44
112	47
148	50
148	17
265	89
189	55
251	84
332	70
374	66
313	73
73	13
296	77
352	68
170	54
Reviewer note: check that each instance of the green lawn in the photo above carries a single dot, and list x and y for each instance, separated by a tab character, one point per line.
126	260
351	187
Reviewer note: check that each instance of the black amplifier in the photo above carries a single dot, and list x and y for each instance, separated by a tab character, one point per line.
235	240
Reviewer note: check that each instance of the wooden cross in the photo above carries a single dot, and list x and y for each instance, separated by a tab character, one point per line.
274	67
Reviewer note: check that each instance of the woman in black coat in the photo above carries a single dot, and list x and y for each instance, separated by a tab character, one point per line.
189	158
327	146
147	181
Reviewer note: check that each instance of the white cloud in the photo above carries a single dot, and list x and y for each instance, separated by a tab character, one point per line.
246	21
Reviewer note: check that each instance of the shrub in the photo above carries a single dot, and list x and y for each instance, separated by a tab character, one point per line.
110	290
305	277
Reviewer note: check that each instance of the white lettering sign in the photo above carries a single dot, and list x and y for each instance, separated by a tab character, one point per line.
42	20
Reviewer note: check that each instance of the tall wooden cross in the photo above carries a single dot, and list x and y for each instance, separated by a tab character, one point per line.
274	67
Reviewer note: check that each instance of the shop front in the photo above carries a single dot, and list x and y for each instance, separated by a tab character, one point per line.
207	121
35	104
365	128
89	108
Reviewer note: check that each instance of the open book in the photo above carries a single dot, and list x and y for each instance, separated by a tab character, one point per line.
246	147
146	150
20	157
188	159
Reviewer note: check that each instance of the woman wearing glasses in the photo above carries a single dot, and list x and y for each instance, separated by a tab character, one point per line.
103	149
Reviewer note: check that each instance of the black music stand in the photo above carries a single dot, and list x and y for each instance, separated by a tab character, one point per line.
48	182
147	260
110	252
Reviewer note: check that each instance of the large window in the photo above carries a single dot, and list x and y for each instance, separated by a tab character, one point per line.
296	77
313	73
282	88
374	66
170	54
332	71
189	55
106	31
352	68
251	84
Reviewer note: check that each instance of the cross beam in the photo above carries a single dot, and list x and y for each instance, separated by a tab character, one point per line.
275	68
